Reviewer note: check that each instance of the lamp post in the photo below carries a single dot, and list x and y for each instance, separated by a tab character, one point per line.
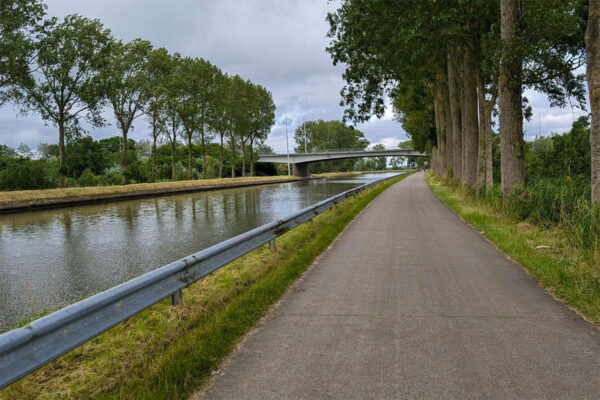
287	143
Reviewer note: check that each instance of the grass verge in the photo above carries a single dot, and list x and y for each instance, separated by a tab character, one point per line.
564	269
26	197
169	352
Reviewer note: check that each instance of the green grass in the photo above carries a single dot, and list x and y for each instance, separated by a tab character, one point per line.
169	352
564	269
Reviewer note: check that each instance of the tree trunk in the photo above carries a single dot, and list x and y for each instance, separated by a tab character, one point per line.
489	165
251	157
470	123
512	145
173	140
449	161
243	159
124	166
232	161
203	152
189	137
483	129
221	158
440	123
592	40
455	116
61	153
153	154
173	171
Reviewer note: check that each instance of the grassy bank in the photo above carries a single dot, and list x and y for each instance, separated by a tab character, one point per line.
168	352
22	197
568	270
26	198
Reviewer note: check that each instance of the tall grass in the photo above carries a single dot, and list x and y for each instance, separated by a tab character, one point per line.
563	203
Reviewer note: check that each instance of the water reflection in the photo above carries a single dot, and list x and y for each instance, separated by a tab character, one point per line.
51	258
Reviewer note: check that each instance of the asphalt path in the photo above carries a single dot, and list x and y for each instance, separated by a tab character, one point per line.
410	302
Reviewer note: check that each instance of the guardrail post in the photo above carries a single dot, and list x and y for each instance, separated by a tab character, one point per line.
272	244
177	297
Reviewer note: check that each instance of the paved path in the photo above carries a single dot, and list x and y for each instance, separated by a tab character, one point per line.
412	303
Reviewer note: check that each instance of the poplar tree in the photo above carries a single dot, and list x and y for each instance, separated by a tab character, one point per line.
197	85
126	82
158	68
593	78
66	85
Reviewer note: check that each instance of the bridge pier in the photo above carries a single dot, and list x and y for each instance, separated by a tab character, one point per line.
301	170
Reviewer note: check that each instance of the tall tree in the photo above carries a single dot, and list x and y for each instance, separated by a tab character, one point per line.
262	119
18	21
158	69
246	108
66	83
592	39
470	125
512	145
237	116
170	110
219	120
126	84
197	82
455	113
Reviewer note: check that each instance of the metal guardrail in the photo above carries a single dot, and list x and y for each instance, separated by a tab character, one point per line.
323	151
26	349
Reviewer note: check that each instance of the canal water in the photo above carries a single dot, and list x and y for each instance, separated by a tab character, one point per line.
51	258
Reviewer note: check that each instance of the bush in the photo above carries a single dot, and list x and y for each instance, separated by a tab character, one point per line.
24	174
88	178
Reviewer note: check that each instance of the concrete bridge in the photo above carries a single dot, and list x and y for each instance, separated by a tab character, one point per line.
300	161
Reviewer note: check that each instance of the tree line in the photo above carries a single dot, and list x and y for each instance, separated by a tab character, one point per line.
450	67
71	70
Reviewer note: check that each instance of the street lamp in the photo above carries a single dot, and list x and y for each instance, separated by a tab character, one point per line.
304	131
287	143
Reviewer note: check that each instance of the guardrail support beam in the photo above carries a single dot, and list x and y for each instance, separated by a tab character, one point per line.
272	244
177	297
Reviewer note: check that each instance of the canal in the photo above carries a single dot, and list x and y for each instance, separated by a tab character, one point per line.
52	258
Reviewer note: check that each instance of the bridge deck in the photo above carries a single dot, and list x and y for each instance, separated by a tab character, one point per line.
412	303
296	158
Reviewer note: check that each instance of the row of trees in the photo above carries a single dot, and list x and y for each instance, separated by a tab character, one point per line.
71	70
91	162
449	66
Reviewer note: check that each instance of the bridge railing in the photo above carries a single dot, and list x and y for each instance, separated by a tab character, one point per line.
317	151
26	349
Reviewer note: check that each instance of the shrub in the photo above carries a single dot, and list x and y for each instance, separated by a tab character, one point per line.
88	178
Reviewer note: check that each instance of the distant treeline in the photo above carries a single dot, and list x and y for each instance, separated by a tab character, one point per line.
72	69
90	162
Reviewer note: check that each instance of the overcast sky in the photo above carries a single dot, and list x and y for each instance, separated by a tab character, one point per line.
277	43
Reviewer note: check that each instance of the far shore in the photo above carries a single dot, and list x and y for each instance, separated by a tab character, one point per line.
28	200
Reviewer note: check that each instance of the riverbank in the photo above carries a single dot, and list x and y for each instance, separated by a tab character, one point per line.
168	352
565	270
29	200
